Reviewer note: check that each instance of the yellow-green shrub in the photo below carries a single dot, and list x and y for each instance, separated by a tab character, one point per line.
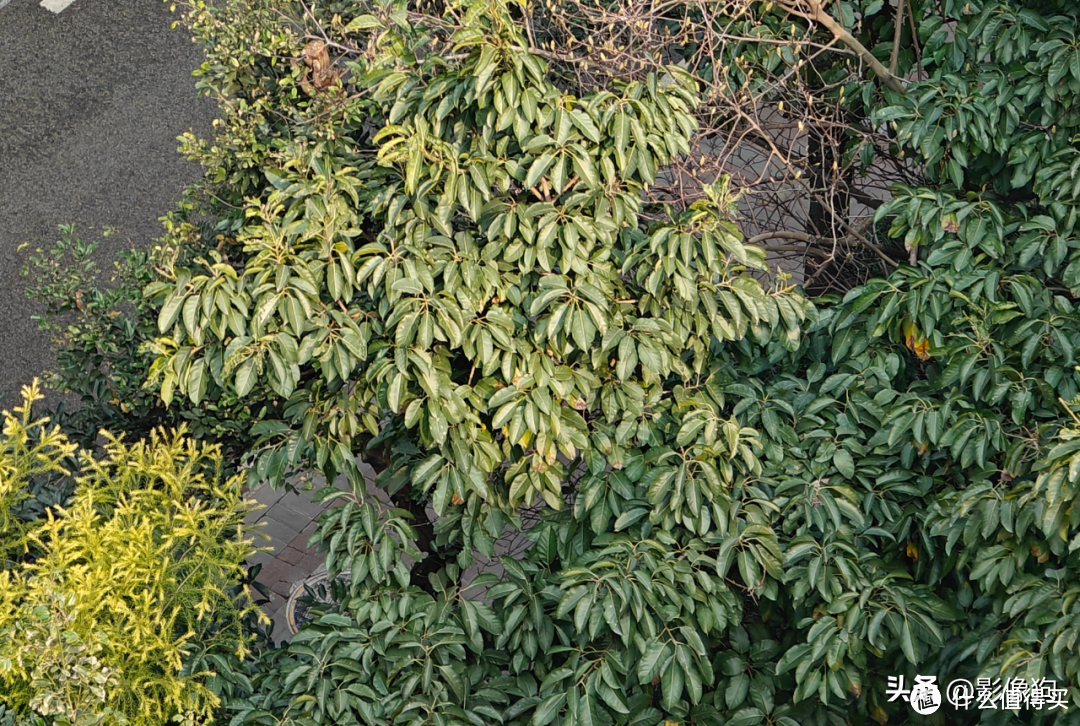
122	590
27	450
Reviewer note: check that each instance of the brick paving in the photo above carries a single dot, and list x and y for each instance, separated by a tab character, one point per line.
286	522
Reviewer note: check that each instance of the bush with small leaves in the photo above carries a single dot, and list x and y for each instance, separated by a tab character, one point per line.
119	606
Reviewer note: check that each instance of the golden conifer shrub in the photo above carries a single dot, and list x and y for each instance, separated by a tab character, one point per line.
112	607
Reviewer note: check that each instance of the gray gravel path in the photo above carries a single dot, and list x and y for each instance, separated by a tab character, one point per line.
91	102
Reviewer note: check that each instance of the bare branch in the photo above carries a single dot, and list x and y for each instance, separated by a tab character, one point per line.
818	14
812	251
898	28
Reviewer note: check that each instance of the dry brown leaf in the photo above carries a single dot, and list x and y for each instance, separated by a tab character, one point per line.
321	74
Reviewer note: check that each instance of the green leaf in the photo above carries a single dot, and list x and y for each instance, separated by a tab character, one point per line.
1058	69
548	709
363	22
585	125
585	168
628	518
538	168
614	701
671	686
396	391
844	464
408	285
338	621
170	311
245	377
907	643
486	67
621	131
747	717
738	688
585	711
196	380
655	657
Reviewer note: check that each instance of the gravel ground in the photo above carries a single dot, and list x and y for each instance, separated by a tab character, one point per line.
91	102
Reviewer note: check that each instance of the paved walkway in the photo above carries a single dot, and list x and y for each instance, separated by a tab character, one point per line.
289	520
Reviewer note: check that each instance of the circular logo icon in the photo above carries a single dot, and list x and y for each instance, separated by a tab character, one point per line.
925	697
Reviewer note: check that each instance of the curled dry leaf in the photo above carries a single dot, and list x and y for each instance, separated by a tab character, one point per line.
321	74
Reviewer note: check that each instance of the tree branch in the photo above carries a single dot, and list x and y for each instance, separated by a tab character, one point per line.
812	251
818	14
894	57
780	234
857	234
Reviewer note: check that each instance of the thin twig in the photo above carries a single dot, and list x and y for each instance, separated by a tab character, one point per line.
867	243
856	233
915	40
780	234
818	14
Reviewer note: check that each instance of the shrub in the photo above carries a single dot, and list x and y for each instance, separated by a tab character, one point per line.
114	605
750	510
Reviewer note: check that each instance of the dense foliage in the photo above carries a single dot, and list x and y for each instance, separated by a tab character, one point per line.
116	606
101	326
436	243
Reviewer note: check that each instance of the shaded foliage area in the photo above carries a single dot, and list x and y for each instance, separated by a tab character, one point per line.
427	245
